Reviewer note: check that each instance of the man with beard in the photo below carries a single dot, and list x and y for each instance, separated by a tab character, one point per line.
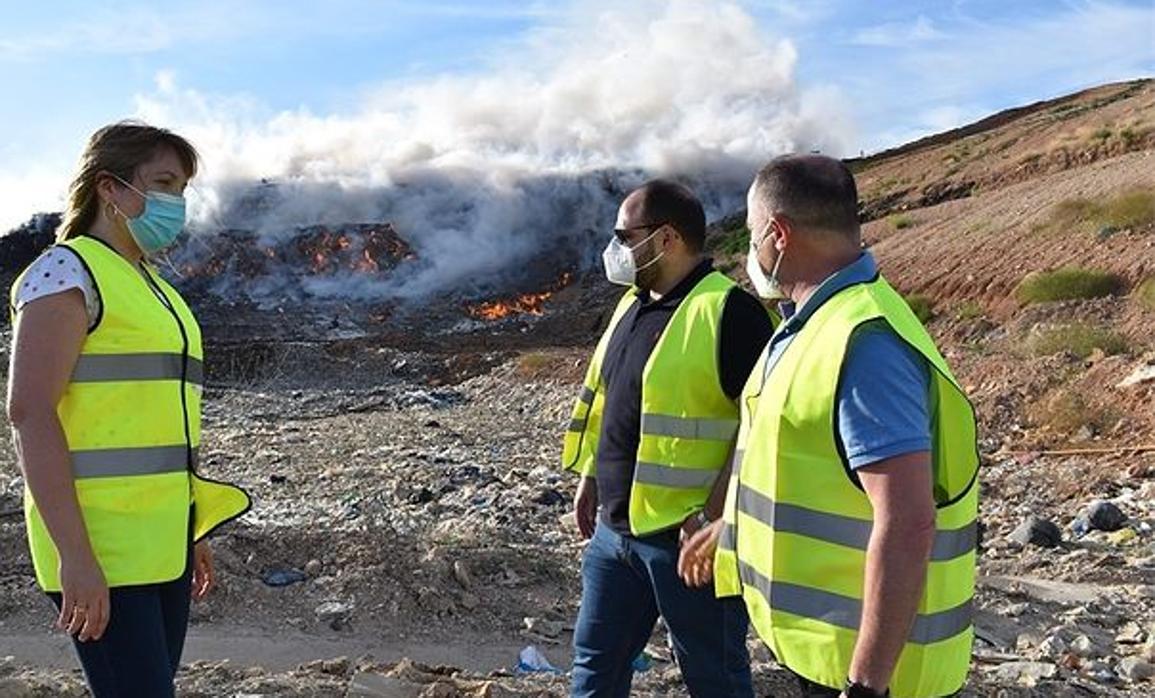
651	436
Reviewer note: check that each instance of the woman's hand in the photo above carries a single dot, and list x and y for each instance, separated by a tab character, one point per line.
204	576
84	608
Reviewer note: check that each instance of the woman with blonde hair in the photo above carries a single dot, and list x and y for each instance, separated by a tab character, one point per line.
104	399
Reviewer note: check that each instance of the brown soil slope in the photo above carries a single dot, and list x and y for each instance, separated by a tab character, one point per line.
1012	146
960	219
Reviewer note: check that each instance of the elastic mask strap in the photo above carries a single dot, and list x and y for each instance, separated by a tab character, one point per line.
647	239
142	194
653	261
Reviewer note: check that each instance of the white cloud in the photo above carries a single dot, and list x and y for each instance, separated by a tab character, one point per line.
129	32
39	188
994	65
898	34
788	9
1087	44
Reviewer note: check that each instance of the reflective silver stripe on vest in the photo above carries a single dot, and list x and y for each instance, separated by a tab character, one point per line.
846	612
587	395
678	478
728	541
689	427
124	462
102	368
577	425
736	462
842	530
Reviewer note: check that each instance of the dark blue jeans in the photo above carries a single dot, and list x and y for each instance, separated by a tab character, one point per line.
626	584
139	653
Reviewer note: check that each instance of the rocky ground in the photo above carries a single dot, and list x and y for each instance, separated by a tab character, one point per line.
401	528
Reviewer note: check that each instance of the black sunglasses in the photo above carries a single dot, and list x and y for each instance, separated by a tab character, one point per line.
623	234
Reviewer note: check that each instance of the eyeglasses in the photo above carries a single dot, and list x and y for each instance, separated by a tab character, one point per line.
623	234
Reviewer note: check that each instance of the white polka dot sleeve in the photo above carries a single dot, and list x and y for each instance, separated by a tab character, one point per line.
56	271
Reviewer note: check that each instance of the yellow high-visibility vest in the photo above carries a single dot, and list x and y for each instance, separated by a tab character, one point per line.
131	415
688	423
797	526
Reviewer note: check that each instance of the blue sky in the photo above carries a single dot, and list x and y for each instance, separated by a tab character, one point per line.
898	70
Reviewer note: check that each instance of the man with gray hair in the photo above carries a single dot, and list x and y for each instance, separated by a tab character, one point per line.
850	521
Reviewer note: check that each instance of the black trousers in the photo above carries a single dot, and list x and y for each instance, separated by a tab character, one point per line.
139	653
815	690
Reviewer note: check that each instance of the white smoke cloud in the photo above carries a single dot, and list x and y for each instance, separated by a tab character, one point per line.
482	171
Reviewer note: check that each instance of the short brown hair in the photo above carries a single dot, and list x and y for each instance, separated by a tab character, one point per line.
119	148
815	192
664	201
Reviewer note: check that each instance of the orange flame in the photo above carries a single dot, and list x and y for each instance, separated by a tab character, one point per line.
365	263
525	304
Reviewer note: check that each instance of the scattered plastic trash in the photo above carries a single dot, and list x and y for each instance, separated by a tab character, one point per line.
643	663
1080	526
530	660
282	577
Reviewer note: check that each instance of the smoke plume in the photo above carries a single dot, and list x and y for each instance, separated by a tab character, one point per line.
487	172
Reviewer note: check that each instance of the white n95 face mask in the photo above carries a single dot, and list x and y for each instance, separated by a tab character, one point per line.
618	259
767	287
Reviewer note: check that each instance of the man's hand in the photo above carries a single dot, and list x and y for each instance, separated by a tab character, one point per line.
204	575
696	558
585	506
690	526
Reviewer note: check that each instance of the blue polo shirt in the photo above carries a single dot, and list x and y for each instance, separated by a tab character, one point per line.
883	400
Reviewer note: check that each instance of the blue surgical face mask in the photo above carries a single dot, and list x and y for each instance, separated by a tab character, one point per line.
159	225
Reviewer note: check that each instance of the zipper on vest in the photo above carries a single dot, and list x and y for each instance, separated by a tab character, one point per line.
167	303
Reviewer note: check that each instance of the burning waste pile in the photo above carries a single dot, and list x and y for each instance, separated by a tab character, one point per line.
354	273
355	270
524	304
236	263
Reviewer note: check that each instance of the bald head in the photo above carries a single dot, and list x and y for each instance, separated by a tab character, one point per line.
662	201
817	193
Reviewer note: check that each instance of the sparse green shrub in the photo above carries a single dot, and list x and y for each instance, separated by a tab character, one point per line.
1102	134
901	221
1073	212
922	306
536	364
1077	338
732	238
1067	411
1145	294
1131	209
1066	284
889	183
969	310
1129	137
